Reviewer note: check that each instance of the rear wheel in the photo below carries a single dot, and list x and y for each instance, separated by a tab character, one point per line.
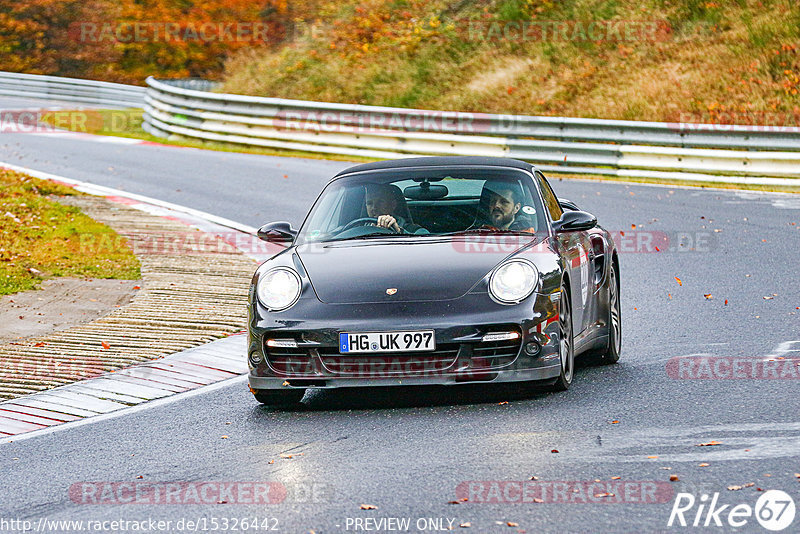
279	397
566	347
612	352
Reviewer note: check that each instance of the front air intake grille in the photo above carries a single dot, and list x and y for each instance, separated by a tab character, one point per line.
390	363
494	354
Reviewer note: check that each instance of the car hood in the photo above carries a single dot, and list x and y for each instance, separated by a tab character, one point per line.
420	269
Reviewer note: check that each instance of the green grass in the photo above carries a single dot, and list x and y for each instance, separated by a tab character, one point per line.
40	238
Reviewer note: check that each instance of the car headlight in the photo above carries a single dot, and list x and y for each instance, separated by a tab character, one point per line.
513	281
279	288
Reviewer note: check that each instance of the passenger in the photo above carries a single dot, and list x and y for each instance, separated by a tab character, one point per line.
502	202
386	203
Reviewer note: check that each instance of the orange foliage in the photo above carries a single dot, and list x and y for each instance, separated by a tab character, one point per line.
128	40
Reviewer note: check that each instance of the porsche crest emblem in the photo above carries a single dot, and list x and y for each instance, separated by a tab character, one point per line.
391	291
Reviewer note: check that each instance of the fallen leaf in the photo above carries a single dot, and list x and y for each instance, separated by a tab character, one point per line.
105	345
286	456
768	297
673	478
709	296
537	478
368	507
224	437
286	383
709	444
797	476
658	249
737	488
633	227
137	287
652	457
604	495
615	478
502	403
538	500
667	468
511	524
271	462
222	502
466	524
614	422
139	477
679	281
39	344
702	465
726	302
554	450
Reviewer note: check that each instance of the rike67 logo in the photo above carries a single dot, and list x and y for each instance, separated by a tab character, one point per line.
774	510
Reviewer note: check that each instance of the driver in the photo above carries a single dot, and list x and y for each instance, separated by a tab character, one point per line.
386	203
504	200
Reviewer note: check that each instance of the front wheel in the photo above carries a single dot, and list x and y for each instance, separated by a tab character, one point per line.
612	352
566	347
279	397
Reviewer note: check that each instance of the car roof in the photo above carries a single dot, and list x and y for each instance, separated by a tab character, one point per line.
438	161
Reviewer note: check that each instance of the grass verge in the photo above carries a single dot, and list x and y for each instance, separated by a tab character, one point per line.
40	238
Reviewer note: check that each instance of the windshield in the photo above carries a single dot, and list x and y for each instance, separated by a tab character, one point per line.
425	202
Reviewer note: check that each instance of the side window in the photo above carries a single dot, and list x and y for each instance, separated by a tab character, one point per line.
550	199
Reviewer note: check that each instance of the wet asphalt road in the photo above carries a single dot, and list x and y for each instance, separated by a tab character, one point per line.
409	452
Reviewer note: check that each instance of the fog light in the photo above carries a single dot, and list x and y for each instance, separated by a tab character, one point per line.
255	357
532	348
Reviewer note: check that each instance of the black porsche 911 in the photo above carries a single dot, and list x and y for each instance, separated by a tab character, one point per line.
436	270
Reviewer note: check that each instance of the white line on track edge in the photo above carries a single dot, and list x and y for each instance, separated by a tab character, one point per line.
100	190
124	411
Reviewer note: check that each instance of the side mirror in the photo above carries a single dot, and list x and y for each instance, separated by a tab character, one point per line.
568	205
575	221
277	232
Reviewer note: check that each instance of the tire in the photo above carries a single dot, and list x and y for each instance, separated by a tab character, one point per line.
279	397
611	353
566	345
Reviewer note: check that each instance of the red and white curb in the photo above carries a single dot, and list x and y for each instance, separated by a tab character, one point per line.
178	373
195	370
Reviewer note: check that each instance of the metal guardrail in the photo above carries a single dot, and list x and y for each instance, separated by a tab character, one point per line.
711	153
71	89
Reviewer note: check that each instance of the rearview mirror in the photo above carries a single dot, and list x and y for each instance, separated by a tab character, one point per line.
277	232
575	221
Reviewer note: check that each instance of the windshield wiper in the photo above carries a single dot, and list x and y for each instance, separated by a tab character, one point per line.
488	231
370	236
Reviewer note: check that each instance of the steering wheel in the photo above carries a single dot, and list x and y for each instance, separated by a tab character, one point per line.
363	221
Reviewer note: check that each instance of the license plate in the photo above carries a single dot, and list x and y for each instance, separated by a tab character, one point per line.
350	342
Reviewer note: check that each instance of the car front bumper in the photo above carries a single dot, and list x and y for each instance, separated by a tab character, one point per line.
461	357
